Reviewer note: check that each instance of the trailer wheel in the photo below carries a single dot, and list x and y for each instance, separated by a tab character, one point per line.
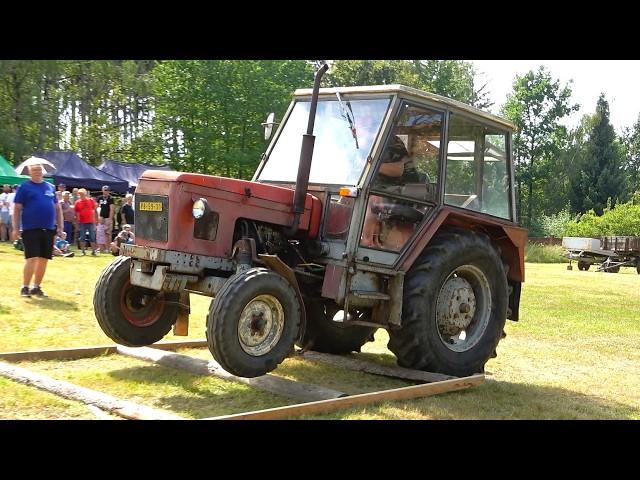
584	266
253	322
131	315
324	335
454	306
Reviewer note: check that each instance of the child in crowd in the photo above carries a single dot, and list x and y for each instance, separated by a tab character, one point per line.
125	236
101	237
61	246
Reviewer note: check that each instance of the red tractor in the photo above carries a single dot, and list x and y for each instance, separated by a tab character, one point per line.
405	220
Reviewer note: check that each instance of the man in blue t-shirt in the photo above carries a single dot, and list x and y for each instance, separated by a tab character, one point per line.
37	208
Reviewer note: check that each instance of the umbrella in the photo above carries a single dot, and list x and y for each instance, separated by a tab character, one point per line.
47	167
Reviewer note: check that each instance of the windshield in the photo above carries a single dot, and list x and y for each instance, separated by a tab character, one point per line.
344	131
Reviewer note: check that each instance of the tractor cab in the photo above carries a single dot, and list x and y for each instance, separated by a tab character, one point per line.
386	158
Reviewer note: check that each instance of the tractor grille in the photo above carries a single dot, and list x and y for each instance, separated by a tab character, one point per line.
206	227
152	216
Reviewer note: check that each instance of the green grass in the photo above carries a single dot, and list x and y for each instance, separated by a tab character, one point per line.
573	355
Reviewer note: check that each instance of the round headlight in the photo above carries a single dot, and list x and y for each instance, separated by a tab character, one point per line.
199	208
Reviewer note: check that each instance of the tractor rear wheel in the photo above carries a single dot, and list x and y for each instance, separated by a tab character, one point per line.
454	306
324	335
253	322
583	266
131	315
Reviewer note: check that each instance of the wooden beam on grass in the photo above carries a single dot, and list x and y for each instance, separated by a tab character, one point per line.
324	406
89	352
117	406
270	383
366	366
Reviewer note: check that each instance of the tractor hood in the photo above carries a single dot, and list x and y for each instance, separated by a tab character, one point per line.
230	199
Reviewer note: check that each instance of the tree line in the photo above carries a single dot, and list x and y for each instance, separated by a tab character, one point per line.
205	116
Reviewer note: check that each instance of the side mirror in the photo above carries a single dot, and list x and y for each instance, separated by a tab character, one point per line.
268	125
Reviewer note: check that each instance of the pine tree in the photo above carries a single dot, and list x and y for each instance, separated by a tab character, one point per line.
600	176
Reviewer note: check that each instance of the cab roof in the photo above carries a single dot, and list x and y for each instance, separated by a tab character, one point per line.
408	92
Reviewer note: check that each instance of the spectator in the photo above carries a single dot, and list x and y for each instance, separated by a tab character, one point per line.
126	213
61	246
125	236
5	221
36	207
74	196
68	215
12	197
101	238
61	188
107	210
87	215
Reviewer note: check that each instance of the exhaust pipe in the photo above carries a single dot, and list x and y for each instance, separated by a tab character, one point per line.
306	154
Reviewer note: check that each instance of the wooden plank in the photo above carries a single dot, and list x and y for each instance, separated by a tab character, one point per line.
89	352
58	354
366	366
117	406
324	406
269	383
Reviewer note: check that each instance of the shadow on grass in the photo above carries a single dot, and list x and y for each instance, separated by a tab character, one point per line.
53	304
4	309
204	396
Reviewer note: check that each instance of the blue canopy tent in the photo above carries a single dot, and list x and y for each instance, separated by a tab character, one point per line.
131	172
74	172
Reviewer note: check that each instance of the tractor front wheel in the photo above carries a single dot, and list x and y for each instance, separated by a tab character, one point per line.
131	315
454	306
253	322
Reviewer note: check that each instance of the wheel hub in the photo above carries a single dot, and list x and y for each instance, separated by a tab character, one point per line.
260	325
456	306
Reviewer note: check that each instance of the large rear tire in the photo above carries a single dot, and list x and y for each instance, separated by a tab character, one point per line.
454	307
253	322
131	315
324	335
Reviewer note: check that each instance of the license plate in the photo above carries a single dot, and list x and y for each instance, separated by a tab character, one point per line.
150	206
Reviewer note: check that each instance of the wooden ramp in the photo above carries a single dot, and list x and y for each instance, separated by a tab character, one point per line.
314	399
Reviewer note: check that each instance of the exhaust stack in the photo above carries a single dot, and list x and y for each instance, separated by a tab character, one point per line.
306	155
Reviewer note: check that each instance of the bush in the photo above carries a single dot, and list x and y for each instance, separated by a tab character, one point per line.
624	219
550	225
538	253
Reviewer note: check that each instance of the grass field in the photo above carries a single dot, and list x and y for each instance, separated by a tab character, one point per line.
573	355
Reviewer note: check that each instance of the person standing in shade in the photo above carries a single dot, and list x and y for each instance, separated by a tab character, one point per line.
126	212
87	213
61	188
5	221
107	210
68	215
36	206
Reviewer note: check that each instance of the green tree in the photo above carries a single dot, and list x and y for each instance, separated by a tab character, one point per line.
208	113
599	177
631	142
536	106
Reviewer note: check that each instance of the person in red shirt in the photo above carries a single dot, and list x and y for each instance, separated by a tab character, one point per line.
87	213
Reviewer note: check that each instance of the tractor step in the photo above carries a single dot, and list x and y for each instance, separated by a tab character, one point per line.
370	295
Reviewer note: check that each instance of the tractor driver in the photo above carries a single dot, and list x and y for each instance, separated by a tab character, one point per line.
397	169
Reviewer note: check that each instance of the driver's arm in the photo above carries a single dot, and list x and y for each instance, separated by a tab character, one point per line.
392	169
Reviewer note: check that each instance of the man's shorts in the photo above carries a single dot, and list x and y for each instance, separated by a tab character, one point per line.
38	242
87	228
5	218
